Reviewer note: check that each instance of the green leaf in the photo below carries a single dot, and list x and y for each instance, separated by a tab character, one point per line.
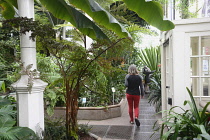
8	10
7	122
7	111
4	102
2	86
61	10
22	133
101	16
206	136
151	12
203	114
194	107
150	57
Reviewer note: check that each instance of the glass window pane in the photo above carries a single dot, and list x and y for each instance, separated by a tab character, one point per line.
206	85
195	86
205	45
194	65
205	66
194	45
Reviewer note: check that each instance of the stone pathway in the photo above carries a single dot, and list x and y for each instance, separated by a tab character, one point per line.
122	132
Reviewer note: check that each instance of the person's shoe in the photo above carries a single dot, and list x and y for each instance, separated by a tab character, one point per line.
137	122
131	122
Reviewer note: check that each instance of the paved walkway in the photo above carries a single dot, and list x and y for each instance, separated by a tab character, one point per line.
120	129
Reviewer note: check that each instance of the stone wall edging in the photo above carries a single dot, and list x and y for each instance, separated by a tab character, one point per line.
94	113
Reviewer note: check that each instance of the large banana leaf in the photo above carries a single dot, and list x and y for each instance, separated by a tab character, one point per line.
62	10
151	12
100	15
8	10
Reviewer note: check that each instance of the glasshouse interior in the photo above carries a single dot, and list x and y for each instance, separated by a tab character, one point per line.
103	70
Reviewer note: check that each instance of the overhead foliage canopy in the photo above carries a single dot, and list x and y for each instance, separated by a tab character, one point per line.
70	10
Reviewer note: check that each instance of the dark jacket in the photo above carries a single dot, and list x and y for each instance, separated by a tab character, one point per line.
134	85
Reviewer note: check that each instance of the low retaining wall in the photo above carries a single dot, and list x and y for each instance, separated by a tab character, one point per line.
94	113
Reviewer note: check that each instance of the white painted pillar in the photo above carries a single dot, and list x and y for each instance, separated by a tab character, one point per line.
29	88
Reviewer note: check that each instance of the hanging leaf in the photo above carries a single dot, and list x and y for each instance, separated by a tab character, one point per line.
7	7
151	12
61	10
101	16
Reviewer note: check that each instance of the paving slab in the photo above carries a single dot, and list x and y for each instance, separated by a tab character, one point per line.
119	128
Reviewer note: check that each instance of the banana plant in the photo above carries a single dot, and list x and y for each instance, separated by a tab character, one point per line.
69	10
8	8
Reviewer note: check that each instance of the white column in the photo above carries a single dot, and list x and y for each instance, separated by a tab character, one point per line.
29	88
28	47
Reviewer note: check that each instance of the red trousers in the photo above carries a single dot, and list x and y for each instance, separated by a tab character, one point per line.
133	104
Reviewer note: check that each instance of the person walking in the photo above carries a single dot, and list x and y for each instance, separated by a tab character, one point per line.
147	72
133	82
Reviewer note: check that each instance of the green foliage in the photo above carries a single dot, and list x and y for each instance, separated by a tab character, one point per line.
83	129
2	86
101	16
8	128
49	72
186	8
8	11
126	16
188	125
151	57
151	12
9	40
155	92
69	13
54	129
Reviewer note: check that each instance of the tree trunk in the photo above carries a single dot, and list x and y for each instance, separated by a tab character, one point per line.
71	110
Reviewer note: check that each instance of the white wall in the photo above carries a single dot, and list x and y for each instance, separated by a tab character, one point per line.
180	41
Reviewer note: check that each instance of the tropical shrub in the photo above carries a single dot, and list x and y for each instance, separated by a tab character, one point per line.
151	57
155	92
54	129
189	125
